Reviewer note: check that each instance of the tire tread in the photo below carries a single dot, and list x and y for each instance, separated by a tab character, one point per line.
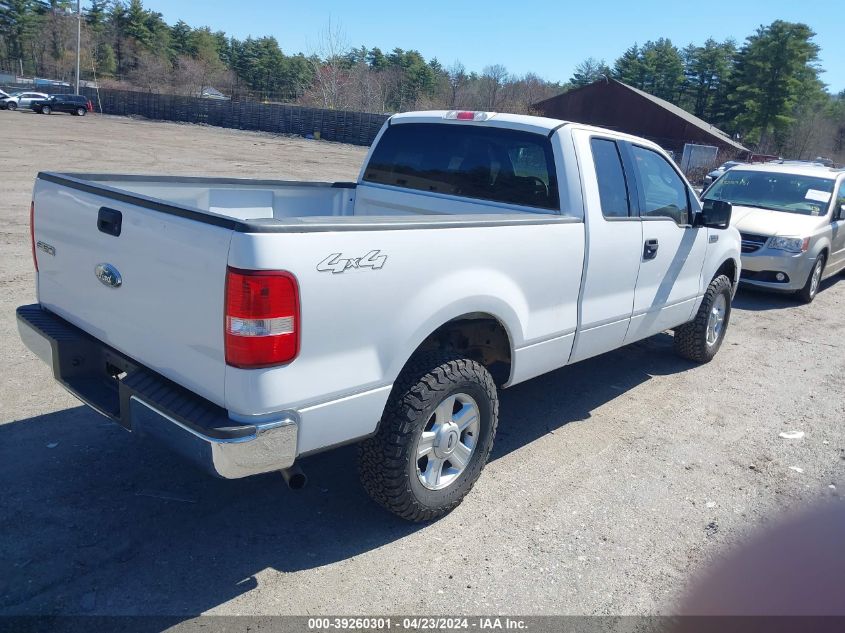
382	466
691	338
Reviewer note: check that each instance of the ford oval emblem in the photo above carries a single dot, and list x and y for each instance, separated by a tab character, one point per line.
108	275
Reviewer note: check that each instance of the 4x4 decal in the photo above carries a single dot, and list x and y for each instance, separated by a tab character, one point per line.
337	263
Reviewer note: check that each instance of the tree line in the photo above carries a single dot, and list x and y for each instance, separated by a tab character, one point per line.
123	42
767	92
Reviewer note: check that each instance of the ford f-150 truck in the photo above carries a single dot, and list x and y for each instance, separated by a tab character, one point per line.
248	323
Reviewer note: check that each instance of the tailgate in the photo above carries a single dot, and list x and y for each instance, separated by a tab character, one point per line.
154	290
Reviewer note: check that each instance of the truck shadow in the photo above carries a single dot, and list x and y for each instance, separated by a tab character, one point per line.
531	409
95	521
754	300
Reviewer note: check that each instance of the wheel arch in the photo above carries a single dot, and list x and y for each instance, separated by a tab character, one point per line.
482	336
729	267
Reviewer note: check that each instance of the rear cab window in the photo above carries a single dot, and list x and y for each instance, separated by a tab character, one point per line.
483	163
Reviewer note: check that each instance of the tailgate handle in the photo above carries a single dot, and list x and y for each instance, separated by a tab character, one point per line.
109	221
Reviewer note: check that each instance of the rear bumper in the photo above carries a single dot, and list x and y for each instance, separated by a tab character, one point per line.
148	404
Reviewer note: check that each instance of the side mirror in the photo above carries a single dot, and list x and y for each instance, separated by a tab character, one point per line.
715	214
841	212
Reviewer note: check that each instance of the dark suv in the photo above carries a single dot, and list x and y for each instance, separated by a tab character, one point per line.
75	104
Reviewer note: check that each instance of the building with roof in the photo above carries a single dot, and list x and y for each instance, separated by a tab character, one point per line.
612	104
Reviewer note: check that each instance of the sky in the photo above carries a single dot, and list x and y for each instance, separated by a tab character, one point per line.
548	38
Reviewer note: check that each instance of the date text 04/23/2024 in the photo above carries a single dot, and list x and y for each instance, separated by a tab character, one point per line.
416	623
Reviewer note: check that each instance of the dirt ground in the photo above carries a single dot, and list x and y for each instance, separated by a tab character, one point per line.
613	482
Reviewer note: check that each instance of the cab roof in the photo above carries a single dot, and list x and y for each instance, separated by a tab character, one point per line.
524	122
537	124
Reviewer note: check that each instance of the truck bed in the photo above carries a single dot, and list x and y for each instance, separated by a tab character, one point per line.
262	206
178	236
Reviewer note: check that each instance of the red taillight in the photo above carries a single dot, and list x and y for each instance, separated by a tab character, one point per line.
465	116
262	318
32	233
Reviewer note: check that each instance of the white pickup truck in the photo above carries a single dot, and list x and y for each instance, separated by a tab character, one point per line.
248	323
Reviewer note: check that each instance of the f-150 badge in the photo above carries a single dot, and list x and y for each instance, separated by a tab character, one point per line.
337	263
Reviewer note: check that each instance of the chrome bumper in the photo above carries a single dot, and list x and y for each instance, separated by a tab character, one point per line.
150	405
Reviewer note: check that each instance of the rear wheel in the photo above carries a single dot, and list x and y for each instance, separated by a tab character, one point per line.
46	110
80	112
701	338
434	438
814	280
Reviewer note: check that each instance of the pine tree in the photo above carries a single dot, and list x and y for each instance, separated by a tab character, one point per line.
774	70
588	71
629	68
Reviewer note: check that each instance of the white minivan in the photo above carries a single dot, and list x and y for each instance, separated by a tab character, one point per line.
791	218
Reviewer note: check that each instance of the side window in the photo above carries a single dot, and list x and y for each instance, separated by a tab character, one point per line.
613	191
662	192
839	202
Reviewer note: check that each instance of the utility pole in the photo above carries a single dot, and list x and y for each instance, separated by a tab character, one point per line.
78	39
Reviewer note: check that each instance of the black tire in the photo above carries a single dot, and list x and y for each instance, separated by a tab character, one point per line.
45	110
12	105
691	338
387	462
80	112
809	292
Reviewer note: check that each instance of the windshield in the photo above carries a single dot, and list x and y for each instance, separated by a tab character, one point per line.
790	193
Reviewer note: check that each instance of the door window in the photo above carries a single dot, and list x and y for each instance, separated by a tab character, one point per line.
613	191
663	192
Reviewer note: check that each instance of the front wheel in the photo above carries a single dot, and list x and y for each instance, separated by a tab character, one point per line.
12	105
434	437
811	288
701	338
45	110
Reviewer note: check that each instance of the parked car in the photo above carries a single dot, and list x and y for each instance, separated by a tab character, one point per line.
247	323
22	100
818	161
792	221
710	178
73	104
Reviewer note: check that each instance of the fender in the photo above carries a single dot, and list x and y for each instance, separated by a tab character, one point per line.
454	296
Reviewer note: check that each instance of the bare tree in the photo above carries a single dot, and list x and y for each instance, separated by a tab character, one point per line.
492	80
328	63
151	73
457	81
191	75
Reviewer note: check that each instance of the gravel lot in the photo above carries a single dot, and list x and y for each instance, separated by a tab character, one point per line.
612	483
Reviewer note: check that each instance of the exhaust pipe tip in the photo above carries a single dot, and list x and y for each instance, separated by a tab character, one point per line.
295	478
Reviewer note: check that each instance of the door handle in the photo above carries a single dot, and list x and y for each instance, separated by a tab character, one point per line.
109	221
650	249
